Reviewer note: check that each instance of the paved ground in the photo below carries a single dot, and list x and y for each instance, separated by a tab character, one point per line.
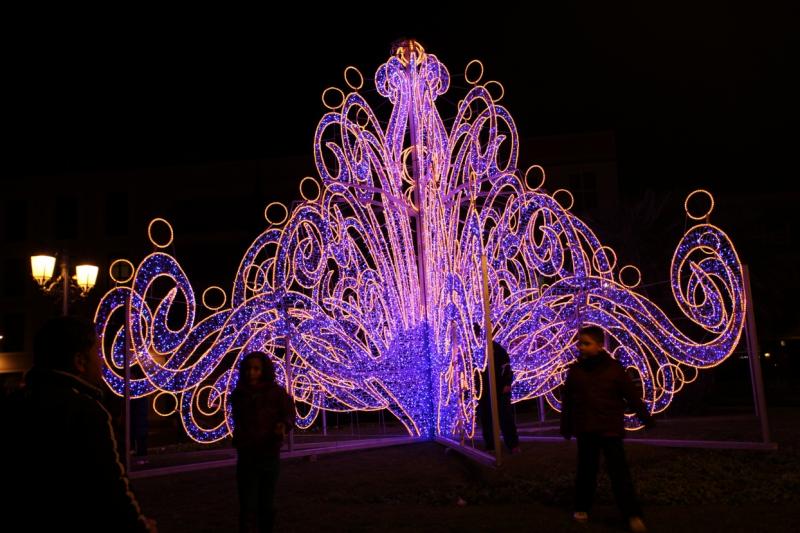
417	488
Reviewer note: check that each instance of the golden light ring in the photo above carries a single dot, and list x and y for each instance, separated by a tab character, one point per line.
111	270
285	213
571	199
150	233
326	97
467	68
710	208
354	86
541	177
218	307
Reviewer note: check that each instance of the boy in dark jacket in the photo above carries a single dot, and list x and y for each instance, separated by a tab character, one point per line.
262	414
594	399
61	452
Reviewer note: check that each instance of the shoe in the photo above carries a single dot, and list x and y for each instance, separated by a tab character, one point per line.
636	525
580	516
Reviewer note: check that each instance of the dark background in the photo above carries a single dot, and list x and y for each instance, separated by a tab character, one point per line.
705	95
697	96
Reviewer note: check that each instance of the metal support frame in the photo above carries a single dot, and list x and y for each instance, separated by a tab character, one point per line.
756	378
487	322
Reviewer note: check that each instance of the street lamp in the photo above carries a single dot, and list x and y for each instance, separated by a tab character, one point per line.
85	276
42	267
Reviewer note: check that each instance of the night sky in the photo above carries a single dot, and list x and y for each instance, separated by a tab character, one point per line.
700	96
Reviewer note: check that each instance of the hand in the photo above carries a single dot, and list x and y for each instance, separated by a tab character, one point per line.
507	389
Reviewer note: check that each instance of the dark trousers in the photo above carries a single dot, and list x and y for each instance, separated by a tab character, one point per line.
256	475
589	447
507	426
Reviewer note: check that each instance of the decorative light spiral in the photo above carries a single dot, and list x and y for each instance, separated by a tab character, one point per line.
372	286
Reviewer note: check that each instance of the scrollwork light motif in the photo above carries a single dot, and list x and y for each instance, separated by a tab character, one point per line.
374	285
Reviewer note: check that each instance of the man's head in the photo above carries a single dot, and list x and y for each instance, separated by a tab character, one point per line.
590	341
69	344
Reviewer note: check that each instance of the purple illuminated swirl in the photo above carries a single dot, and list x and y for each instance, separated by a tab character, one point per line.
376	283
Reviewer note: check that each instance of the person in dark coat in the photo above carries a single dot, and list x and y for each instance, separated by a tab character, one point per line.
63	466
595	395
263	413
504	377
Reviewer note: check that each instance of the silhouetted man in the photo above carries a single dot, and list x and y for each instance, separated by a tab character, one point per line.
64	469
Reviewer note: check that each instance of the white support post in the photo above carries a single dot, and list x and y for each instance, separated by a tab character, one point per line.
756	378
487	323
127	392
288	367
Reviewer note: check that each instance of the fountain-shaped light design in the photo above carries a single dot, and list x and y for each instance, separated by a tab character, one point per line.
365	293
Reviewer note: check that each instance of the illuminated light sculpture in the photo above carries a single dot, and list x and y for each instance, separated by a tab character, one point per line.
365	293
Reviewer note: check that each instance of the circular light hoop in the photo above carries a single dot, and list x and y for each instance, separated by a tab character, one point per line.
696	374
541	177
362	113
114	266
302	388
638	277
477	378
610	255
467	68
285	213
633	368
710	208
217	400
300	415
251	281
303	192
211	307
404	162
405	166
552	401
326	97
409	196
349	82
571	199
169	412
677	378
150	233
713	246
502	90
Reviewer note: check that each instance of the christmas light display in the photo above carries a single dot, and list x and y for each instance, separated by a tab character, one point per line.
365	293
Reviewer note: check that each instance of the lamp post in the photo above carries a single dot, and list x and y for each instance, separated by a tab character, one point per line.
42	267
